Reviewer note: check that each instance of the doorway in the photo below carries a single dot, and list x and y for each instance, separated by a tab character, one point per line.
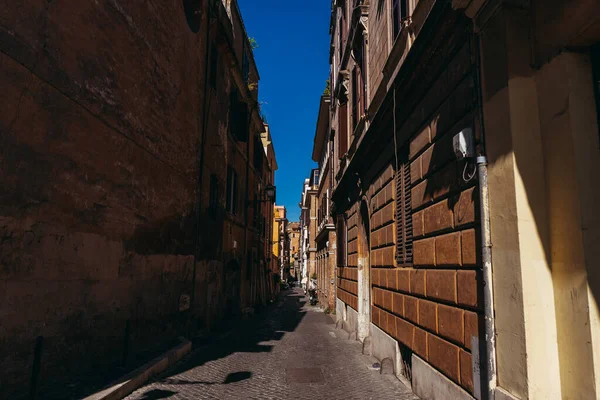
364	272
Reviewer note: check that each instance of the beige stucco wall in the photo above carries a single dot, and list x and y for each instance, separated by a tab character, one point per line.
542	145
568	123
525	316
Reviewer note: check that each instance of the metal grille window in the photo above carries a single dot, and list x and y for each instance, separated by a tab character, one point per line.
404	230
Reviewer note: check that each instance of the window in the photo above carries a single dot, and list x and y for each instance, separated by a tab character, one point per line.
341	238
231	190
256	209
214	195
404	252
193	16
342	33
316	177
399	12
258	154
214	61
358	85
343	130
354	98
343	24
238	117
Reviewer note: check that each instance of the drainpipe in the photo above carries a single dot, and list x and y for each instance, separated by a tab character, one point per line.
488	288
489	383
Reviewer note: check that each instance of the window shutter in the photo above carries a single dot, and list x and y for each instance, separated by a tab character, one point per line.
404	229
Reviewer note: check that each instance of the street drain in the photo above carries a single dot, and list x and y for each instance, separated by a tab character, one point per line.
304	375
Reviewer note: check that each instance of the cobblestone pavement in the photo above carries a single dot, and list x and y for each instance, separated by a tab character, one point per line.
291	351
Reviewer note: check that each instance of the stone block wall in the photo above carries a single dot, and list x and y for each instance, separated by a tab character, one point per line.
434	306
347	276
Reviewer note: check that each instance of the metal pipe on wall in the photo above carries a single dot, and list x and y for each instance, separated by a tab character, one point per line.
490	381
488	287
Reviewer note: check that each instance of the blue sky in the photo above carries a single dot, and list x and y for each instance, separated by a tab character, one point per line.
292	59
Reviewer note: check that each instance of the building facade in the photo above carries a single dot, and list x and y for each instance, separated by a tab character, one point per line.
325	239
304	229
134	167
293	240
516	82
308	221
280	247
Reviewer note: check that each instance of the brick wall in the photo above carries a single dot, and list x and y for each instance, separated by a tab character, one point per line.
98	164
347	276
383	233
379	41
434	306
99	145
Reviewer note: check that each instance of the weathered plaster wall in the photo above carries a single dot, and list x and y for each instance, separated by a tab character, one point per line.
99	153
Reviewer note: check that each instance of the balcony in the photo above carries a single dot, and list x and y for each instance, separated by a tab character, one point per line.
325	226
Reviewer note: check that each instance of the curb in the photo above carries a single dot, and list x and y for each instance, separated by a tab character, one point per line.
133	380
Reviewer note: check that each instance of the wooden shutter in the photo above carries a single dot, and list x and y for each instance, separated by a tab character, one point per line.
404	229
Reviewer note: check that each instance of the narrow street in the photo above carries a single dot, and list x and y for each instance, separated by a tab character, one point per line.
427	170
291	351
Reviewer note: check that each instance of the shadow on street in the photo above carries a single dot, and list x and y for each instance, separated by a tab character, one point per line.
270	325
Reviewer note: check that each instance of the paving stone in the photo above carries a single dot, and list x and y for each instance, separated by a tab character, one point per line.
285	353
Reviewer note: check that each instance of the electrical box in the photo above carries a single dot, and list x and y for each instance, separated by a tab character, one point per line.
463	143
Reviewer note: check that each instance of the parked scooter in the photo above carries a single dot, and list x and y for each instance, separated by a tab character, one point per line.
312	297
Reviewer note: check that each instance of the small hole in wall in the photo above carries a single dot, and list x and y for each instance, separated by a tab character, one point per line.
406	354
193	15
